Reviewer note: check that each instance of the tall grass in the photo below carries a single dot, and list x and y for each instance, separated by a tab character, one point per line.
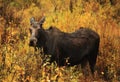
20	63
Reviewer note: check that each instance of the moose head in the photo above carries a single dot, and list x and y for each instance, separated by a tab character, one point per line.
36	32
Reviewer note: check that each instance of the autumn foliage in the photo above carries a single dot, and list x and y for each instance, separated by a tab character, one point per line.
20	63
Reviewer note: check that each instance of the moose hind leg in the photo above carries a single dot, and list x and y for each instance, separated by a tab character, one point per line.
92	62
84	66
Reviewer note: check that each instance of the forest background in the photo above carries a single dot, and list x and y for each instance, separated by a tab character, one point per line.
20	63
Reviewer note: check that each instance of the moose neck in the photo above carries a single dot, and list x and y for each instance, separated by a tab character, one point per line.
42	38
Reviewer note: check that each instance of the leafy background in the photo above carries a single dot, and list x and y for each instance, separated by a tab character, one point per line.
20	63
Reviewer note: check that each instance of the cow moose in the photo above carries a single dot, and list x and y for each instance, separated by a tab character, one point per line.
77	47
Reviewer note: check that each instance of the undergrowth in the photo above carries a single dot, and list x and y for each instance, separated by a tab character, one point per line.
20	63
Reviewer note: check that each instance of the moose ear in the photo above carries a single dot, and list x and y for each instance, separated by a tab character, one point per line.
42	21
32	20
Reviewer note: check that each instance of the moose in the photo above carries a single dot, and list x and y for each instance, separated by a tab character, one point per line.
78	47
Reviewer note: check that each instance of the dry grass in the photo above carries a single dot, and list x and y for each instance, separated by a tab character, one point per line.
20	63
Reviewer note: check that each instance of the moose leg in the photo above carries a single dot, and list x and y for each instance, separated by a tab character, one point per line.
92	62
83	66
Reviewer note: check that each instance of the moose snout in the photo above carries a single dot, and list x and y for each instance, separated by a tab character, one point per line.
33	42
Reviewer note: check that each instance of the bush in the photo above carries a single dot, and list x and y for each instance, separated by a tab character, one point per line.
19	62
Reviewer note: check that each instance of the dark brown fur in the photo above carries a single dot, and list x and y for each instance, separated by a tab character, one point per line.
78	47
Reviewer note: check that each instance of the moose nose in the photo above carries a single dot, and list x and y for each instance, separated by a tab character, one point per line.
32	42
